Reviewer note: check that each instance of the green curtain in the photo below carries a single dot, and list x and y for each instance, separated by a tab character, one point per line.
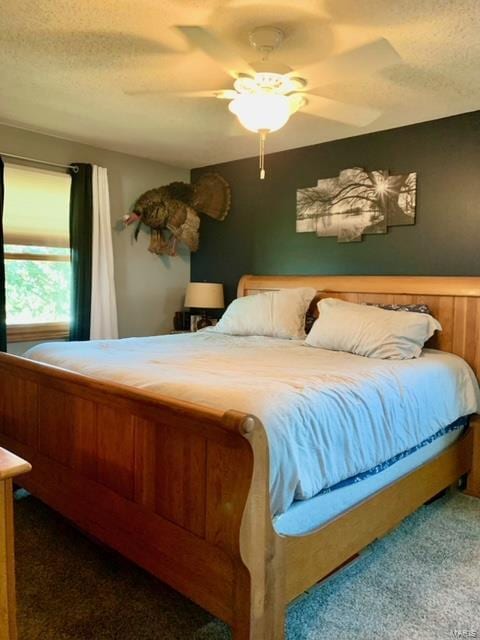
3	321
81	223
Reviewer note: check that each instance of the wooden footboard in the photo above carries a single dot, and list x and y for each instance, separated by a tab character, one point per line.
182	490
175	487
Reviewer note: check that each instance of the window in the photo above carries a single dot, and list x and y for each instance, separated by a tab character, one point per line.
37	254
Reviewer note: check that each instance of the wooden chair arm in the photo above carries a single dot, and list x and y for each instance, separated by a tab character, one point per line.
11	465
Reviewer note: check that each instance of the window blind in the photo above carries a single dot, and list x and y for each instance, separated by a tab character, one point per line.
36	208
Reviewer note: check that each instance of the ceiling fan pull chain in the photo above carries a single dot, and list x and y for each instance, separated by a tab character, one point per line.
263	135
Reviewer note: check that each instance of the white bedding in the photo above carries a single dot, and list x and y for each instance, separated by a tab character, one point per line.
328	415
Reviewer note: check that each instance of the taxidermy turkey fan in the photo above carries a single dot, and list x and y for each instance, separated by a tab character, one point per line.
265	94
172	211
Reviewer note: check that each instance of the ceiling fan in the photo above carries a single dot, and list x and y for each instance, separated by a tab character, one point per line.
266	93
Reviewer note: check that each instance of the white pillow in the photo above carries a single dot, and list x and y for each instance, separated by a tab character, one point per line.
279	314
370	331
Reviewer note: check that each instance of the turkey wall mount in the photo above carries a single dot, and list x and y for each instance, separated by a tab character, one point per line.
173	211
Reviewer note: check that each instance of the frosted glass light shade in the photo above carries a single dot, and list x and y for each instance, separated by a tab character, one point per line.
261	111
204	295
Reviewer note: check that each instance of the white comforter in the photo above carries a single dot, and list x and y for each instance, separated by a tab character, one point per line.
328	415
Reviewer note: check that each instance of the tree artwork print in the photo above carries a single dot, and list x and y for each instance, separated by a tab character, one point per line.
357	202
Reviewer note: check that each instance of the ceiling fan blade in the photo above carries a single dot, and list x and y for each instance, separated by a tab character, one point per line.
216	49
226	94
339	111
180	94
363	60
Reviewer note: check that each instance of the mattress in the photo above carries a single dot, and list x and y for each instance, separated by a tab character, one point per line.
305	516
328	415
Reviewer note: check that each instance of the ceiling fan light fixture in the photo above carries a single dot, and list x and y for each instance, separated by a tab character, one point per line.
261	111
245	84
269	82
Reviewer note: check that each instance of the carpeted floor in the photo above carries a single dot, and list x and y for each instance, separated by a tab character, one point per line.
421	582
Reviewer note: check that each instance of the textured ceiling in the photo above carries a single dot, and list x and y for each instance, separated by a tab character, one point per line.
66	64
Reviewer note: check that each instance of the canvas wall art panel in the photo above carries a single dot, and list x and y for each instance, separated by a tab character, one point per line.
357	202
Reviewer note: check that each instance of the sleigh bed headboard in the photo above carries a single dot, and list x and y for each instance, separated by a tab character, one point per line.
454	301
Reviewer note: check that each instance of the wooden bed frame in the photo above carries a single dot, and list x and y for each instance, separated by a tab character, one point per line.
182	490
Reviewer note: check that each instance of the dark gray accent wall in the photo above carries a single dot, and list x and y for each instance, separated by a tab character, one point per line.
258	236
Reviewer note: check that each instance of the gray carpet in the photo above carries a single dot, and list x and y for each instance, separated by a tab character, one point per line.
421	582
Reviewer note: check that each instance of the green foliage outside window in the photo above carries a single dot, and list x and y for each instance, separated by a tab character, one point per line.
37	290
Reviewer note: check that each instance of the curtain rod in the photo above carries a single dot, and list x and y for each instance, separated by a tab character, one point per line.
34	160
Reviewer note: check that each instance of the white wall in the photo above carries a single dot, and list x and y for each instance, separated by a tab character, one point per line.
149	288
19	348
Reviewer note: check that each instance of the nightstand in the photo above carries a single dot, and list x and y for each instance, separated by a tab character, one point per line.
10	466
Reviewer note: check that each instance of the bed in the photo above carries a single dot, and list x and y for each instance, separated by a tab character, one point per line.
172	468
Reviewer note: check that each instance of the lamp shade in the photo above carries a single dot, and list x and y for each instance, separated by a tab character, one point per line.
204	295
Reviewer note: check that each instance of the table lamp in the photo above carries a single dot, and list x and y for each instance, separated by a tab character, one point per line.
203	296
